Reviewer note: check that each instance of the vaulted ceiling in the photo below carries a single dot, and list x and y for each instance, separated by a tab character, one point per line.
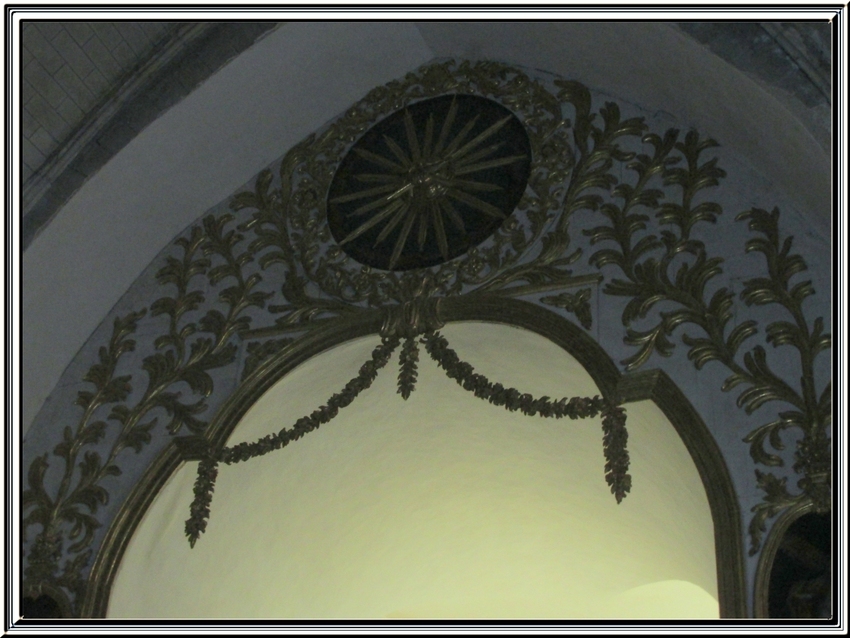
90	87
69	68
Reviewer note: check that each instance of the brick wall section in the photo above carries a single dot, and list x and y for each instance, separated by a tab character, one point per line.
69	68
74	72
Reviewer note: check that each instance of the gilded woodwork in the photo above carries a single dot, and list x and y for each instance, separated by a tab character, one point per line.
458	162
614	431
276	259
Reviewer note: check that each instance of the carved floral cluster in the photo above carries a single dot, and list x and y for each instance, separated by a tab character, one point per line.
200	508
364	379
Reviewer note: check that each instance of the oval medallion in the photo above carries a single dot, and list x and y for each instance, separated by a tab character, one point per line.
429	182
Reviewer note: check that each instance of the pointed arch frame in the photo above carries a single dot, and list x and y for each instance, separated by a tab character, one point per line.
652	385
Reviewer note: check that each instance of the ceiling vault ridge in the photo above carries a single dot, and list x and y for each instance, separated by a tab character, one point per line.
124	109
791	42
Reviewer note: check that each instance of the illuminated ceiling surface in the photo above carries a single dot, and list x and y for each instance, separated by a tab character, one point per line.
441	505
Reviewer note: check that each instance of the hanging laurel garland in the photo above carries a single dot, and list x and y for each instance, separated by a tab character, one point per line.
614	431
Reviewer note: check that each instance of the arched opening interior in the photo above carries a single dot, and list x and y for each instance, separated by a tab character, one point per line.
801	575
440	506
41	606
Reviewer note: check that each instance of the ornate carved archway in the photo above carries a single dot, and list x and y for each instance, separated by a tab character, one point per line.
653	385
273	278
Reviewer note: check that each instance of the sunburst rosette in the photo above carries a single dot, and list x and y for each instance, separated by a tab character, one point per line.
434	172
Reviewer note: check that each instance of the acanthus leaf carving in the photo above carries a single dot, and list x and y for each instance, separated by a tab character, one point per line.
59	513
681	275
577	303
182	357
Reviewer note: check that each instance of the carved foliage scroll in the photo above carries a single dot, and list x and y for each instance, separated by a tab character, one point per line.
673	266
113	420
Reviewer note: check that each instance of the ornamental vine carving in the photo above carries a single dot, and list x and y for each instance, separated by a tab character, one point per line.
183	356
274	258
674	266
67	512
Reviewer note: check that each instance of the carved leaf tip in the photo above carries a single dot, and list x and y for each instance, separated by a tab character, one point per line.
614	440
408	371
199	511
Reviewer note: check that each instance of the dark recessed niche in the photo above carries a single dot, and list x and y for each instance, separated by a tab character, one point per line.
42	606
800	578
429	182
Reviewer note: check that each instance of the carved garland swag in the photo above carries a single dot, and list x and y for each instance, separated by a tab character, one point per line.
614	431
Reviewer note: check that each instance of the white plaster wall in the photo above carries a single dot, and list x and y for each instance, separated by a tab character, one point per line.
441	506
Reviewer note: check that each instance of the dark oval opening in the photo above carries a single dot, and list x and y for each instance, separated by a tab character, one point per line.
429	182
